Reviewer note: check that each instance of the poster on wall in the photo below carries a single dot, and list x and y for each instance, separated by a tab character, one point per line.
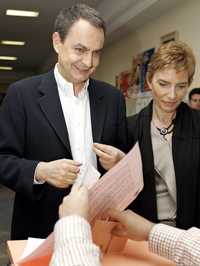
146	56
123	81
133	83
172	36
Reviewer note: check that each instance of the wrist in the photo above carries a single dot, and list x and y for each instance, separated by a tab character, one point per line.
40	175
121	155
149	227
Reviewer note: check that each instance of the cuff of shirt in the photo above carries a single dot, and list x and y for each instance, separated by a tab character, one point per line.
163	240
36	182
72	227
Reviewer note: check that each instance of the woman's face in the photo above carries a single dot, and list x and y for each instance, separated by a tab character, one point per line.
169	88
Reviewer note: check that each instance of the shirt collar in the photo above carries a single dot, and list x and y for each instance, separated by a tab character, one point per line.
67	87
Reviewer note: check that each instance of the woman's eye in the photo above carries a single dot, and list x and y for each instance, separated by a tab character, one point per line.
163	84
182	87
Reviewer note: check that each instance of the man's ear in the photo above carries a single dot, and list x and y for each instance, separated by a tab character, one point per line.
56	41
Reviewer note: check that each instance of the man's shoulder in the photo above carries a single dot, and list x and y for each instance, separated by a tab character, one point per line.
131	120
185	109
195	114
104	86
190	118
29	82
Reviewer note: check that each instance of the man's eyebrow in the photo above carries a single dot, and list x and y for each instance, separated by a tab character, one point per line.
99	50
79	45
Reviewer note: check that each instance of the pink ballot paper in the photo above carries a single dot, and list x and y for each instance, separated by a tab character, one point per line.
118	187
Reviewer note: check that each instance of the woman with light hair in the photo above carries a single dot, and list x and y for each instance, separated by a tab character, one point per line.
168	132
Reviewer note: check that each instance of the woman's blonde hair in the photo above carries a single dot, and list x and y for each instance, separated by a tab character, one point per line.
175	54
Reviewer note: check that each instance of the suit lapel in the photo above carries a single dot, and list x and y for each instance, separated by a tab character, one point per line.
97	109
145	136
51	107
145	142
185	149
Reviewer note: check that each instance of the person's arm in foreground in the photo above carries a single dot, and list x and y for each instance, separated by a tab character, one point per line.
72	233
180	246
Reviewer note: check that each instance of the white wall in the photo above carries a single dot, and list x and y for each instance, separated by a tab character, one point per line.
184	19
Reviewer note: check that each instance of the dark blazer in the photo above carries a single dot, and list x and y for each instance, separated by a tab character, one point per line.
33	129
186	157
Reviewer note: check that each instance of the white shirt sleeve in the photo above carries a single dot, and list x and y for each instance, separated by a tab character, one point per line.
73	243
36	182
180	246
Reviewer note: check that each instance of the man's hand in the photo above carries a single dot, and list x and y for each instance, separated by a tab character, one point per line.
108	155
59	173
76	203
131	225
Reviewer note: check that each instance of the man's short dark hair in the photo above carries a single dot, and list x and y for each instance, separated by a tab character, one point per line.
194	91
68	16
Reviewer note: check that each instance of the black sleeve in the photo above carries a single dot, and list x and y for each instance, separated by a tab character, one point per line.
16	172
122	134
132	130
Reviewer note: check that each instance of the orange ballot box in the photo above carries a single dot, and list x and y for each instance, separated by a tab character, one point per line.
134	254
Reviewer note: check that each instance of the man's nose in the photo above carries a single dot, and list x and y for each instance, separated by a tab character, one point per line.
88	60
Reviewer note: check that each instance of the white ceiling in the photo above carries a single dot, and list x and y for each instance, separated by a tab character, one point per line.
121	17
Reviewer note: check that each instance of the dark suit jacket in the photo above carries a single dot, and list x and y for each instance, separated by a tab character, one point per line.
186	157
33	129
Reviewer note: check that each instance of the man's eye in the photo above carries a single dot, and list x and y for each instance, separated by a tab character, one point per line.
79	50
97	52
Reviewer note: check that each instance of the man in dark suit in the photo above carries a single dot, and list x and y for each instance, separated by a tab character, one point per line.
48	124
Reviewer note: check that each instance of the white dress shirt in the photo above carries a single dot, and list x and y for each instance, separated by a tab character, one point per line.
76	110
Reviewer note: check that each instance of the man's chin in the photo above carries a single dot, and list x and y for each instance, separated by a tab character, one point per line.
79	81
81	78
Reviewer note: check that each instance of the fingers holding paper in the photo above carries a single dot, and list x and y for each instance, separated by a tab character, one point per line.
131	224
59	173
76	203
108	155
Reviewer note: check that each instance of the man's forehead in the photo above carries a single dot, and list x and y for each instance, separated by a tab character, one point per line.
84	33
195	95
84	25
87	46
